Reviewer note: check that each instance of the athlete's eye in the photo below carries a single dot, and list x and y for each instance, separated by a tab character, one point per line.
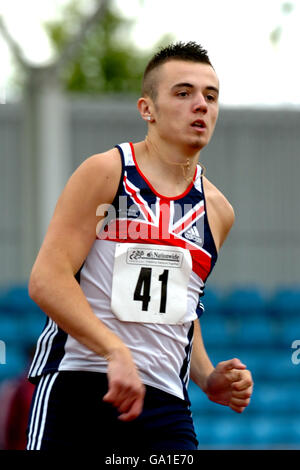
182	94
211	98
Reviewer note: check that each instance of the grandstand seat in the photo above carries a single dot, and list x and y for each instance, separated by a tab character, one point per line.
285	303
244	301
295	431
289	331
268	398
198	399
279	366
203	432
220	433
271	432
255	331
215	330
21	320
15	365
248	432
256	360
229	432
10	330
16	301
32	328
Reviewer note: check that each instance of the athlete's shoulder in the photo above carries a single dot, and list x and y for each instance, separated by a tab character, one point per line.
108	162
99	172
220	209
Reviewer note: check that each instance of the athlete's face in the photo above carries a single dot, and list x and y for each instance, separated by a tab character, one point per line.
186	107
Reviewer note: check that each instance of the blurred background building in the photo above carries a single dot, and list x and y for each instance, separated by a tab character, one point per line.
82	101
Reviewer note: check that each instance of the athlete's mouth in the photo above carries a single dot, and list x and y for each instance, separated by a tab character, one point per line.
199	123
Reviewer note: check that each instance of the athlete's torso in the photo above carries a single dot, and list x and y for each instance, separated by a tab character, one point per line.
142	277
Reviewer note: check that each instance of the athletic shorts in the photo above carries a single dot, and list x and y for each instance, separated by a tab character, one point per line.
67	413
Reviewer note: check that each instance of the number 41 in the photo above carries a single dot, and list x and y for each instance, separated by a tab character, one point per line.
143	285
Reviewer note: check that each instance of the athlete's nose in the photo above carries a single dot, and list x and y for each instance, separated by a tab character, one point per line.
200	104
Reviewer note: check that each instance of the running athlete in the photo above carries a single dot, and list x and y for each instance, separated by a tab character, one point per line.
134	236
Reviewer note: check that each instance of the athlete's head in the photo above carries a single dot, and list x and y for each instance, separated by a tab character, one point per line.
190	51
180	97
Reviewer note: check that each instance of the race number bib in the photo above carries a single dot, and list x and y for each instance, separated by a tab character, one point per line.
150	283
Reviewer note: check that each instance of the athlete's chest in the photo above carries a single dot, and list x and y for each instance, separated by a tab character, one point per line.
141	215
160	217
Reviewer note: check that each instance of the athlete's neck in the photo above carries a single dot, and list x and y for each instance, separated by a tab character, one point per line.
171	161
168	178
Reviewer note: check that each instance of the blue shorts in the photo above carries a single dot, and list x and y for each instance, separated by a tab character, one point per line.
67	413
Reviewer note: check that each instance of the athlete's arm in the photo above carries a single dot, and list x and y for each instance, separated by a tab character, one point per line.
54	288
201	366
220	217
229	383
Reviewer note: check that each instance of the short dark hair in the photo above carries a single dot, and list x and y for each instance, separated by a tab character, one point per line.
189	51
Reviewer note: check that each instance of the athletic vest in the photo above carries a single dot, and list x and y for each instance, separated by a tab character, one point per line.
143	278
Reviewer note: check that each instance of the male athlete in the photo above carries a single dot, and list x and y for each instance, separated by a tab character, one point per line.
133	238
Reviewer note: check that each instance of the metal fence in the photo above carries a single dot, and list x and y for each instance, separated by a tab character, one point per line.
253	159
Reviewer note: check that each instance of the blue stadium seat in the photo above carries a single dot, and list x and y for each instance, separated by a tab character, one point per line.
289	331
248	431
16	300
279	366
271	432
21	320
202	427
268	398
285	303
215	330
257	361
295	431
10	328
16	363
229	432
32	326
23	331
255	331
271	365
244	301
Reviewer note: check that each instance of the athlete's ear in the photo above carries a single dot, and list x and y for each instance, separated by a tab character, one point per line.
145	107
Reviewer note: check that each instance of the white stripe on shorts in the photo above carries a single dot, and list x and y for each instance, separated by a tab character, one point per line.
39	412
43	349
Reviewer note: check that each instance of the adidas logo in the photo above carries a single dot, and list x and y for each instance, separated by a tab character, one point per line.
193	234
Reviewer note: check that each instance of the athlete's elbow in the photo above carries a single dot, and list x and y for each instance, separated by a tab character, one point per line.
36	286
47	280
40	286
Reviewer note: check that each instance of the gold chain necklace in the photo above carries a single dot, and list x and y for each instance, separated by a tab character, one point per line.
186	167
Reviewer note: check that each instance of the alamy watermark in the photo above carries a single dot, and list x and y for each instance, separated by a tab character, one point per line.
2	352
296	353
158	221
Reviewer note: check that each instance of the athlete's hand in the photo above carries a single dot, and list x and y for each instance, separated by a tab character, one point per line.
230	384
125	389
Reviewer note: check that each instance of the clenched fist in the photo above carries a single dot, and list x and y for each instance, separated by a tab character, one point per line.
230	384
